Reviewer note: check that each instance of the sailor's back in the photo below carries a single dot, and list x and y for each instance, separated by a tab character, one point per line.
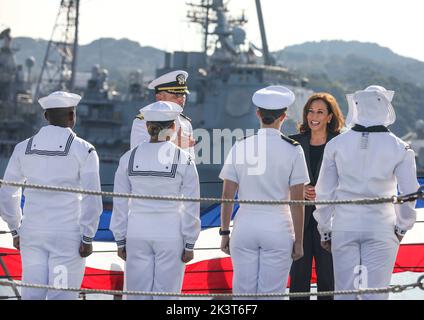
55	156
368	166
265	165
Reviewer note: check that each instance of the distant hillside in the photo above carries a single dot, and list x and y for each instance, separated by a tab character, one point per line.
118	56
338	58
338	67
341	67
121	55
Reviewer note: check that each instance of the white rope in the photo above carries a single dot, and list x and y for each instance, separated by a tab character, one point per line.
392	199
393	289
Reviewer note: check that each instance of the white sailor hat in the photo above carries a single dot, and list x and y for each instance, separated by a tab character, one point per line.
273	98
161	111
173	82
59	99
370	107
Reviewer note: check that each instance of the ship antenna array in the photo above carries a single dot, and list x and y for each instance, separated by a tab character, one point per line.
201	13
205	14
59	64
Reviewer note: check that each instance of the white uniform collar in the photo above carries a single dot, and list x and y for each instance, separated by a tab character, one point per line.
51	128
269	131
51	140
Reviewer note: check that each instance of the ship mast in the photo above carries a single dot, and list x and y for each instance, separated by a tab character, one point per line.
268	61
75	47
59	64
214	12
201	14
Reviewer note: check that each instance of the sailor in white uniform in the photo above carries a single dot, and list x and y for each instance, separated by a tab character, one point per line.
156	237
265	238
171	87
367	161
57	228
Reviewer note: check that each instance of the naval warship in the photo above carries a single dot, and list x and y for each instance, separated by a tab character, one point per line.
18	118
222	78
416	141
104	116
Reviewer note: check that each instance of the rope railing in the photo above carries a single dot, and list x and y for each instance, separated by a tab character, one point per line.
379	200
392	289
368	201
200	182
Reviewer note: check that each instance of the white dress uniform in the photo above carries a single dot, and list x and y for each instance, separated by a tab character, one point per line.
263	235
365	162
172	82
155	233
54	223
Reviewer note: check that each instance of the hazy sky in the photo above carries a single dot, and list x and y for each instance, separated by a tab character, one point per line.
396	24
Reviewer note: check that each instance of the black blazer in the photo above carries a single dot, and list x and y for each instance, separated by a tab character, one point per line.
304	140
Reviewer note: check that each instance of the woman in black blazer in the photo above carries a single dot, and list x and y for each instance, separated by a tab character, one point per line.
322	121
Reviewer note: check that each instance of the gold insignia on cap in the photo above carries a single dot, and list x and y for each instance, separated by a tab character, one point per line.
181	79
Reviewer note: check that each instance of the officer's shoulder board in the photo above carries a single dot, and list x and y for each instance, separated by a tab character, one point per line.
289	140
90	150
139	117
185	117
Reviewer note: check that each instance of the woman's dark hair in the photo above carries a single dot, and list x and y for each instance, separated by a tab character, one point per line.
155	127
269	116
337	121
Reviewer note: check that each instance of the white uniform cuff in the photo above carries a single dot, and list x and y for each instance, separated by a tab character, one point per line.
189	246
87	240
326	236
121	243
399	231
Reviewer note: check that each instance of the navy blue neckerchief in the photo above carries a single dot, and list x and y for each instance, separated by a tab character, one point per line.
360	128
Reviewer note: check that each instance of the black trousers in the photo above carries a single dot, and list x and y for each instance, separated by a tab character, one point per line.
301	270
